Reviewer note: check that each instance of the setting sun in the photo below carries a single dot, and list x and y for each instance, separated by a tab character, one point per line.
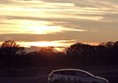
44	29
40	27
44	44
61	43
59	46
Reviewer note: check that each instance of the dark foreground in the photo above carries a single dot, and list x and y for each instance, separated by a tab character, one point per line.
41	77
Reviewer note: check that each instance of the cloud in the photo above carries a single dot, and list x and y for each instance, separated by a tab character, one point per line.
37	30
97	7
55	18
19	26
50	10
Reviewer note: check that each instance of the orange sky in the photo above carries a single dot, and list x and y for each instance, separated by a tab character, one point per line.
58	22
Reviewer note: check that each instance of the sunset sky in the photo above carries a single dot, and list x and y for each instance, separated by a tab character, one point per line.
58	22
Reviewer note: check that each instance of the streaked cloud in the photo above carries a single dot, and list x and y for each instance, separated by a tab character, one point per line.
83	20
32	27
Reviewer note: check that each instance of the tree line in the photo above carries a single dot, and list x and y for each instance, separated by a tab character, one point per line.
78	54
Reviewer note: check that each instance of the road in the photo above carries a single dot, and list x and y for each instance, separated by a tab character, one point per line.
42	78
24	79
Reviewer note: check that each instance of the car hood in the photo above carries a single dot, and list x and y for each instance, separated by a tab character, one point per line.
102	79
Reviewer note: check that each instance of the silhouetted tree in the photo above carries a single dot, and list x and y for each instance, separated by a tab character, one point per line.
79	49
77	54
10	48
109	44
47	51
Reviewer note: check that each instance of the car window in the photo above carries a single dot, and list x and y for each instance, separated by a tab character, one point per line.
83	74
65	72
73	73
70	73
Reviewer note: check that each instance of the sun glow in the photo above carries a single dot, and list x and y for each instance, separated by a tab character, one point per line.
44	44
41	44
40	27
44	29
33	27
56	43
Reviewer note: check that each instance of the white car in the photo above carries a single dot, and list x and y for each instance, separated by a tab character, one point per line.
74	76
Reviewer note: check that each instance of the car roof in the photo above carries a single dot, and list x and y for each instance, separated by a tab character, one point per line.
69	70
79	70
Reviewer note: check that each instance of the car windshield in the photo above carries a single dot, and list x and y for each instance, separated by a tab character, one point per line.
84	74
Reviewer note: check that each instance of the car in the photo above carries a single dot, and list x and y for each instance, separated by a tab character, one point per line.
74	76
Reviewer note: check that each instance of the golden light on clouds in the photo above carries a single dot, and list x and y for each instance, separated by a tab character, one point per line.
62	43
44	44
83	20
33	27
